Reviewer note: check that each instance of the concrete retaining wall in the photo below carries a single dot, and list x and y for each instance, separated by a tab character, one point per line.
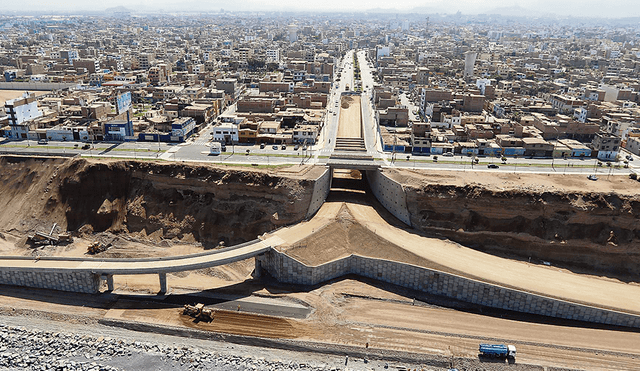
85	282
289	270
390	194
28	86
320	192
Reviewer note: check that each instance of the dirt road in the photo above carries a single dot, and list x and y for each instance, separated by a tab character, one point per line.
550	281
350	122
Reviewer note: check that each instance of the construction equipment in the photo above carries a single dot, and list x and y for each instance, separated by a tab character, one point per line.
96	247
41	238
199	312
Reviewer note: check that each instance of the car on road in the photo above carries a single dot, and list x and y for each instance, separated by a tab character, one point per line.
284	146
86	146
43	141
274	147
448	154
493	166
296	147
262	145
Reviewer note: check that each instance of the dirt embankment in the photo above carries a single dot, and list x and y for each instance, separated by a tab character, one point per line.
593	232
151	201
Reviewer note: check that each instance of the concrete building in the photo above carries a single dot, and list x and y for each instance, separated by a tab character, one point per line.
19	112
607	146
226	133
469	62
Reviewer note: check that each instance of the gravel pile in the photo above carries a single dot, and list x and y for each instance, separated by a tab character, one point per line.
25	349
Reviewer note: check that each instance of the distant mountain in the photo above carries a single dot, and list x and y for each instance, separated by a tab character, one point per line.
118	9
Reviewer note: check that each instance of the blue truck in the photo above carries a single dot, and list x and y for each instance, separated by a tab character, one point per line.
498	350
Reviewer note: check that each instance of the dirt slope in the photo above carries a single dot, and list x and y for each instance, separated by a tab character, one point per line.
154	201
566	220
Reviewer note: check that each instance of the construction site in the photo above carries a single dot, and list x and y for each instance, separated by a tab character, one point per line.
558	238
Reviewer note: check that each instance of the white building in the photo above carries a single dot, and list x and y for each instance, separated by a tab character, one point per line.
273	55
382	51
67	133
482	84
580	114
225	133
305	134
21	110
293	33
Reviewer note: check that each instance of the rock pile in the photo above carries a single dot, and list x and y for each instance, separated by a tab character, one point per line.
24	349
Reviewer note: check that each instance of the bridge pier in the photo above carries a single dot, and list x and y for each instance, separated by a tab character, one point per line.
163	283
257	270
110	286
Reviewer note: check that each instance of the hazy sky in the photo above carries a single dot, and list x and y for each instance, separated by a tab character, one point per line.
605	8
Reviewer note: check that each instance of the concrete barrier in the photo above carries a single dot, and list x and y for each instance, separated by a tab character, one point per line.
320	192
30	86
390	194
289	270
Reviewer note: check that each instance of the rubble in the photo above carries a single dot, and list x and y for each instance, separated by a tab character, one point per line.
21	348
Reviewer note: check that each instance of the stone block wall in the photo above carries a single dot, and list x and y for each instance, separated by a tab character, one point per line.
85	282
289	270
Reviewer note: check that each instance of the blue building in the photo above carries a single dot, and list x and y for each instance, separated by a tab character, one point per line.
118	130
181	130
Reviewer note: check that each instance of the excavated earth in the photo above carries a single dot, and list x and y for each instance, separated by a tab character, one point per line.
587	227
564	220
150	200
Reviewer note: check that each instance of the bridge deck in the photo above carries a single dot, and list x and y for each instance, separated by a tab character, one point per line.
141	266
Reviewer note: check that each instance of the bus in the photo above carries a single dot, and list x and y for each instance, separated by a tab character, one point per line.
216	148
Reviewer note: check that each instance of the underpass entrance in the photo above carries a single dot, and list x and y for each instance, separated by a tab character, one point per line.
348	180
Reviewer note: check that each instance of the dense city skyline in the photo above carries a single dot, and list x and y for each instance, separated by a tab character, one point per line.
585	8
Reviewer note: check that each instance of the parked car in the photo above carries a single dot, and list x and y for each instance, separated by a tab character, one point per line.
43	141
493	166
86	146
274	147
262	145
284	146
448	154
296	147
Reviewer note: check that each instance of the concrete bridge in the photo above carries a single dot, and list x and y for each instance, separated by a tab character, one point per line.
87	275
